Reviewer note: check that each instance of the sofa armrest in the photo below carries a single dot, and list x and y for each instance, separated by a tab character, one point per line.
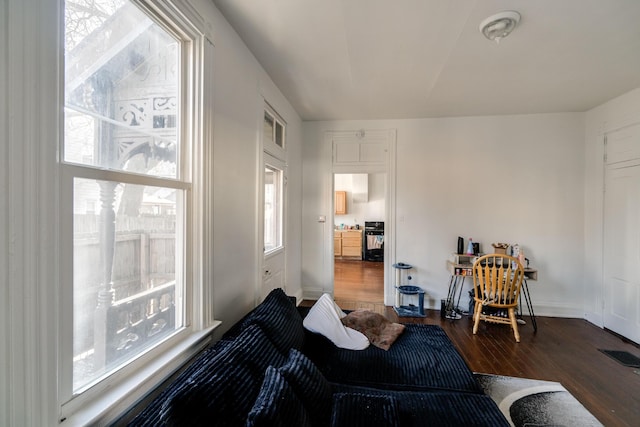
364	410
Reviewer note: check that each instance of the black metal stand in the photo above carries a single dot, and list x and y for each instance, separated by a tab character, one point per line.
527	298
451	304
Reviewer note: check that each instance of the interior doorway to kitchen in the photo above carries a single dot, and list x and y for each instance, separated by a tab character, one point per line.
359	240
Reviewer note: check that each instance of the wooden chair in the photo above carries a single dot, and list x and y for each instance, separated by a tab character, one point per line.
497	280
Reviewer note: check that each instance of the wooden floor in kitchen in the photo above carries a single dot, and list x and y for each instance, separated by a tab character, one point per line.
562	350
359	284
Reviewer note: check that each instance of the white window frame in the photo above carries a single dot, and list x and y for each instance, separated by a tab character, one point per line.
268	141
279	165
105	400
273	155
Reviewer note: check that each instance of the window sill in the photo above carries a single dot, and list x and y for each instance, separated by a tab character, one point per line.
273	252
123	395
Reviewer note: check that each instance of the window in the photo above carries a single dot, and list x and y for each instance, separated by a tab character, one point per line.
273	142
126	175
273	198
273	130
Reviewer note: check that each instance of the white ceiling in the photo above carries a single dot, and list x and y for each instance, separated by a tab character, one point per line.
386	59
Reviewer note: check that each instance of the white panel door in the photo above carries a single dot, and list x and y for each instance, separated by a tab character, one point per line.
622	251
273	274
274	220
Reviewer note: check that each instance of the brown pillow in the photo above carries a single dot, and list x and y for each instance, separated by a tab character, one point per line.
378	329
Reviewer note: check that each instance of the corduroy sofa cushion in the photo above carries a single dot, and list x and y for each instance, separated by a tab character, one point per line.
277	404
222	389
223	396
227	389
152	413
431	408
309	385
364	410
422	358
278	316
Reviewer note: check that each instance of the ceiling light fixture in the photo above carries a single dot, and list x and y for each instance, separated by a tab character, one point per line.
500	25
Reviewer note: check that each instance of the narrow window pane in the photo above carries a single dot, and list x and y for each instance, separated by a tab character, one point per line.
279	135
272	208
121	89
125	280
268	127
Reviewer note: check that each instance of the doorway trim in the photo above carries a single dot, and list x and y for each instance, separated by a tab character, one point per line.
385	163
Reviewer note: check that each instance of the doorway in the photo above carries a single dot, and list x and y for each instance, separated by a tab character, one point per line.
359	264
273	203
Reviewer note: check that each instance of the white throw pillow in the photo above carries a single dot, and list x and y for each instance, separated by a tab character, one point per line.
324	318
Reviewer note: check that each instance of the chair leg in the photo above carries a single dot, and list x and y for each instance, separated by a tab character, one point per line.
514	323
476	317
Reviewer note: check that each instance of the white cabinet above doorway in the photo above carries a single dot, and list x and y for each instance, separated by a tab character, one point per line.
370	148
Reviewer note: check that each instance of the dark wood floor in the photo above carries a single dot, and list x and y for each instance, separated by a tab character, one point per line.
562	350
361	281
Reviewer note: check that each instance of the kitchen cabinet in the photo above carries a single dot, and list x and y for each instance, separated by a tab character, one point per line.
348	244
337	243
341	202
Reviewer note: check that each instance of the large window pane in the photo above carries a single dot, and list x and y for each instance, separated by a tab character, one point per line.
121	89
125	272
122	74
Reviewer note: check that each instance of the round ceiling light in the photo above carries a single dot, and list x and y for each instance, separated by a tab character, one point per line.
500	25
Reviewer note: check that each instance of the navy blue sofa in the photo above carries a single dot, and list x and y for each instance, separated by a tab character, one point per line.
267	370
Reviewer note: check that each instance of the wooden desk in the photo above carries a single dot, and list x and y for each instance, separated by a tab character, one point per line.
459	272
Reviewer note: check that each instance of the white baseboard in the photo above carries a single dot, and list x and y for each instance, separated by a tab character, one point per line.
299	296
312	293
540	308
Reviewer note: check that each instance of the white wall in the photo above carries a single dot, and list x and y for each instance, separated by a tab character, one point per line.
241	87
612	115
516	179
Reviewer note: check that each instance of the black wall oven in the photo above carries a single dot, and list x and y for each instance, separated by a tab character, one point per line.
373	241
